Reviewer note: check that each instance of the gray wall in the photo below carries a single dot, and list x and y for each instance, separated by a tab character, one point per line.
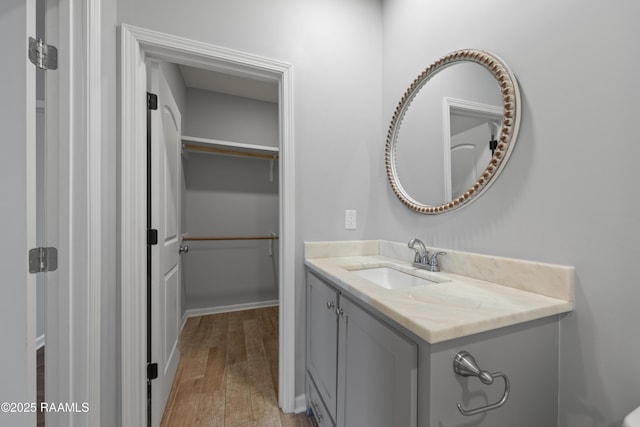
225	117
567	195
230	196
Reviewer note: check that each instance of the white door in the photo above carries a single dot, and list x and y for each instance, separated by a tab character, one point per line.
470	155
18	211
166	185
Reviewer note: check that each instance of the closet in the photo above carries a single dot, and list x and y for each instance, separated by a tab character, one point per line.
230	204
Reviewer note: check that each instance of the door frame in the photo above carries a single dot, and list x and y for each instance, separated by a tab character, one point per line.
138	44
74	328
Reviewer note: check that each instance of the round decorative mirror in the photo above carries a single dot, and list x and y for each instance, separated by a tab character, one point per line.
449	139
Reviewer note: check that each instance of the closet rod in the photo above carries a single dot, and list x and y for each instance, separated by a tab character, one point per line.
230	238
229	152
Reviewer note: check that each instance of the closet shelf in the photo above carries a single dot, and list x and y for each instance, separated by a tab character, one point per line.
193	239
213	146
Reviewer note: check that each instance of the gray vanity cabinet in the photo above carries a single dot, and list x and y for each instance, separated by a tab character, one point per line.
363	371
377	372
322	346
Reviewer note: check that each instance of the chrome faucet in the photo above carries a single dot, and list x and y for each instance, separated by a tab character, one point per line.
422	259
433	261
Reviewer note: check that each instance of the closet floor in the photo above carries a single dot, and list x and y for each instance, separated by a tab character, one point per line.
228	373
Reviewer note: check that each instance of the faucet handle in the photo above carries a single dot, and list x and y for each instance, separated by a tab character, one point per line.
433	262
420	258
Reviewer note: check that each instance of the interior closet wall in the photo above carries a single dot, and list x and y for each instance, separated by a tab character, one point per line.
230	196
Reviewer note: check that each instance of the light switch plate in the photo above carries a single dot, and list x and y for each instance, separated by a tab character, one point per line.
350	220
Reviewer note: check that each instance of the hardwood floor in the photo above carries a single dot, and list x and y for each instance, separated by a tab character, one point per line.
228	373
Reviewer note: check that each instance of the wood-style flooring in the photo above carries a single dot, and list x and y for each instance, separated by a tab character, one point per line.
228	373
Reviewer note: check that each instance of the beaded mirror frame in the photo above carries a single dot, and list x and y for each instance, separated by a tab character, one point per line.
506	139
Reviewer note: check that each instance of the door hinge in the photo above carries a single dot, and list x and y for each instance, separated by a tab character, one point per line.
42	55
152	101
152	371
43	259
152	237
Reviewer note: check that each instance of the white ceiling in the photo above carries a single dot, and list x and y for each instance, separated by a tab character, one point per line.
214	81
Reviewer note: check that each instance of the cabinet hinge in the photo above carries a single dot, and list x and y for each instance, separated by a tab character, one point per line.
152	237
152	101
43	259
42	55
152	371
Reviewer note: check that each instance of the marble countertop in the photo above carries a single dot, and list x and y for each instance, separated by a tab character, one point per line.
462	305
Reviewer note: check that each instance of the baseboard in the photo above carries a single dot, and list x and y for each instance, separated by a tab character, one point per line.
193	312
40	342
301	403
183	321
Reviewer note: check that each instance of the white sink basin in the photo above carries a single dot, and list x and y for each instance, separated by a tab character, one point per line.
390	278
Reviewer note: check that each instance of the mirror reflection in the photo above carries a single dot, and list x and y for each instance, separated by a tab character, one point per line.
449	125
469	142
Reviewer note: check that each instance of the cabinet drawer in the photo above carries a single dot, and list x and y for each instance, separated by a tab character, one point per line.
316	404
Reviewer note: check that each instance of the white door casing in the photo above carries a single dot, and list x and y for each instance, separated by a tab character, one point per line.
75	201
18	211
166	185
138	45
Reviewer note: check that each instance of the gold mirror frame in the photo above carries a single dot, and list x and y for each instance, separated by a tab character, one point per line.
508	132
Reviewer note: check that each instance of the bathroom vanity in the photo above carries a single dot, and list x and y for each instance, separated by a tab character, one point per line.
382	336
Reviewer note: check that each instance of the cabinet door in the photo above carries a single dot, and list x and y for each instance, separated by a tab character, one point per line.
322	339
377	372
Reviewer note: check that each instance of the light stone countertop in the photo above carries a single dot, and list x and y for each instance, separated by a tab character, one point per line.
461	306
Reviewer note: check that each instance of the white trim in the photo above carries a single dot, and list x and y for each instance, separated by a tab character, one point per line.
205	311
133	254
194	312
301	403
94	206
287	256
136	45
40	341
74	219
30	210
472	107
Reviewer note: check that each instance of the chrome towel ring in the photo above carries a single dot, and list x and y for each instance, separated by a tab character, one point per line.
465	365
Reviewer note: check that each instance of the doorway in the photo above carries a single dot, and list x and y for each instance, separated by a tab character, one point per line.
139	45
